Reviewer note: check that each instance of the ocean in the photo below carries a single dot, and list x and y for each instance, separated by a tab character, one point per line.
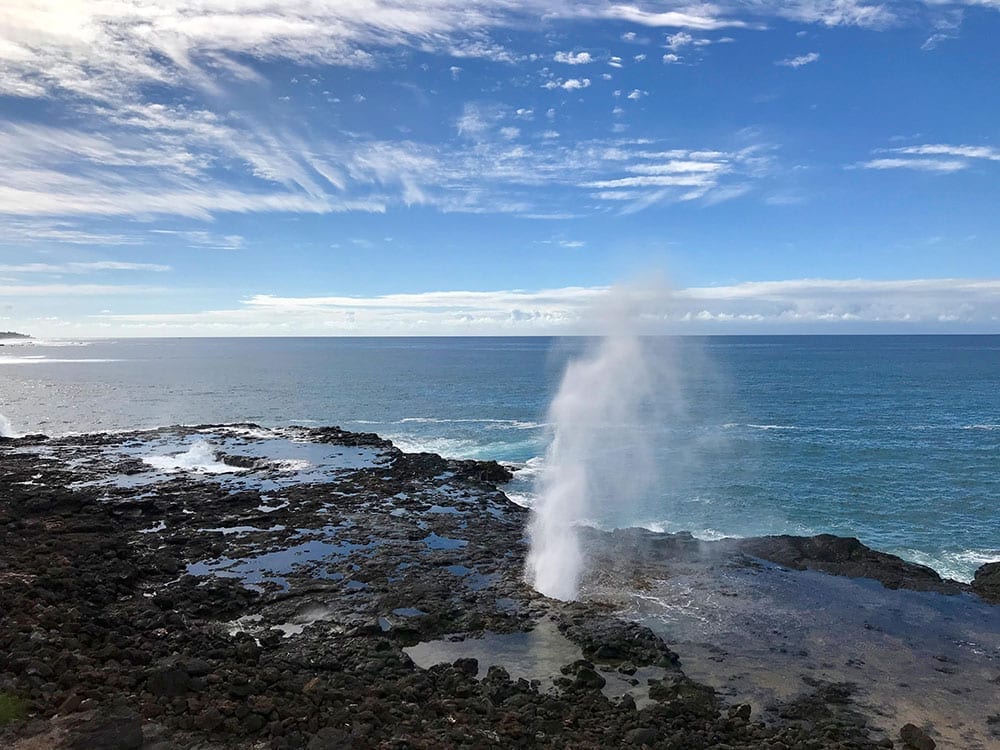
893	439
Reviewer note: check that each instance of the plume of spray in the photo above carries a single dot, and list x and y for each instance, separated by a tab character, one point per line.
6	428
601	450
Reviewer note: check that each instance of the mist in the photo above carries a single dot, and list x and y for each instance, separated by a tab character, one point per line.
611	401
6	428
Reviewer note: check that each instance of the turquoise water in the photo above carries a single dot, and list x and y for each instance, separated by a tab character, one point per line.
894	439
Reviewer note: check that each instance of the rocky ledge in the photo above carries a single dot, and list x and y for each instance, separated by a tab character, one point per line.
224	587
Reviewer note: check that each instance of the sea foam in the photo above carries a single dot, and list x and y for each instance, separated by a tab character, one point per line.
200	458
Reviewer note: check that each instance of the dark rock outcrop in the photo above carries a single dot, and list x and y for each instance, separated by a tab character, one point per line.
210	613
915	738
847	556
987	582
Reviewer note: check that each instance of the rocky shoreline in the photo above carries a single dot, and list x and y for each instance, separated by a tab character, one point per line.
222	587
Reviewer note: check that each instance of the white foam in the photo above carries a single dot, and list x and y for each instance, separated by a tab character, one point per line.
200	458
959	566
272	508
291	464
256	433
38	359
43	342
6	428
500	423
227	530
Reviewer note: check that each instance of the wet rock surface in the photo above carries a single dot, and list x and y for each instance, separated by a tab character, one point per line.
987	582
227	587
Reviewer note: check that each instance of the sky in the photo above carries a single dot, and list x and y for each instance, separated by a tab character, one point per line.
475	167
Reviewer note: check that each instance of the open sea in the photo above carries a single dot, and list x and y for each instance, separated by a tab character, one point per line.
893	439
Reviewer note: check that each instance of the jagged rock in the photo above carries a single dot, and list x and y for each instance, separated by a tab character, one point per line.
642	736
467	666
119	729
987	582
742	711
309	657
847	556
331	738
915	738
687	695
168	681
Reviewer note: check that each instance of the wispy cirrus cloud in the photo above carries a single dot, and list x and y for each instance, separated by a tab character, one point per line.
932	157
166	161
157	130
106	50
49	291
799	61
80	267
705	18
203	239
29	232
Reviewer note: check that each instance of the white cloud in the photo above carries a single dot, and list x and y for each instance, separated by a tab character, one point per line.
573	58
815	305
679	40
932	157
679	19
670	58
130	155
108	50
940	149
81	267
50	291
208	240
921	165
839	12
24	232
798	62
570	84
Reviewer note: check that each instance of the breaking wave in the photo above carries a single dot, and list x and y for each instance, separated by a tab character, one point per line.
200	458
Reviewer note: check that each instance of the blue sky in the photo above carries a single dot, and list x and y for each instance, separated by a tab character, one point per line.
282	167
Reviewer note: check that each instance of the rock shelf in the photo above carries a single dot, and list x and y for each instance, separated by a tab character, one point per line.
230	586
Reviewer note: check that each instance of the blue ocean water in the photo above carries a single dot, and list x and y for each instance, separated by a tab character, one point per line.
893	439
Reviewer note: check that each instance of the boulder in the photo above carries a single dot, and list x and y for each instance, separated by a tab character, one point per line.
987	582
915	738
118	729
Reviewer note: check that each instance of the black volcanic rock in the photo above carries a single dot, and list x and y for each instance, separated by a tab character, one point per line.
847	556
987	582
207	612
915	738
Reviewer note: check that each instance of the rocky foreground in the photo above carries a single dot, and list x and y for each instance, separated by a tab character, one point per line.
233	587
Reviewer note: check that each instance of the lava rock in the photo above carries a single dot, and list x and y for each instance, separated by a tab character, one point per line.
987	582
118	729
915	738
